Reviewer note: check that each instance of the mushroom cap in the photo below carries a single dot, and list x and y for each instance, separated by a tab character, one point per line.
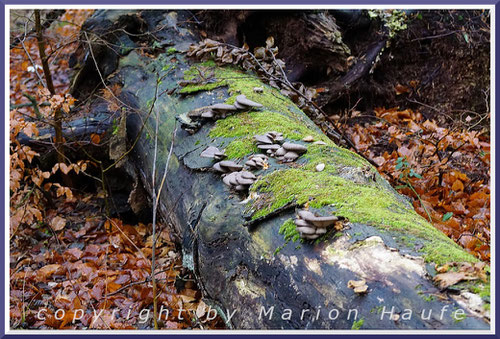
209	114
291	156
240	188
320	230
240	106
324	221
306	230
306	215
258	157
230	179
274	134
218	168
231	165
242	99
310	236
247	175
319	142
263	139
294	147
210	152
243	181
223	107
273	147
302	223
251	163
281	151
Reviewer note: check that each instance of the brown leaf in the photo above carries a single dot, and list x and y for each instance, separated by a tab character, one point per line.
58	223
447	279
48	270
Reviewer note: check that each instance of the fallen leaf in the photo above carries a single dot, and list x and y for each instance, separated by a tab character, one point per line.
57	223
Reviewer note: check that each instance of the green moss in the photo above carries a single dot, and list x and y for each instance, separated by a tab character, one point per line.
289	233
369	203
171	50
279	113
361	203
240	148
356	325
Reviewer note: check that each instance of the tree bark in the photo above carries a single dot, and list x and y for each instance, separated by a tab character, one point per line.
251	274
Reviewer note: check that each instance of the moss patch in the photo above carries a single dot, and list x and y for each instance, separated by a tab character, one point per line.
280	113
368	203
361	203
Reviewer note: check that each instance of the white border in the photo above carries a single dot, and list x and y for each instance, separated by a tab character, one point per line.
245	332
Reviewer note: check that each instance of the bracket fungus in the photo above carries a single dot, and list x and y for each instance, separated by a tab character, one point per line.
240	181
272	144
227	166
213	152
190	120
311	226
257	162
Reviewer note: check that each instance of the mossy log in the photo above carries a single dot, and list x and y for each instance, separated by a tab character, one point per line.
243	247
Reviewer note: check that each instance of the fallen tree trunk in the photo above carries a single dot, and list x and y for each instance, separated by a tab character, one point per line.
243	246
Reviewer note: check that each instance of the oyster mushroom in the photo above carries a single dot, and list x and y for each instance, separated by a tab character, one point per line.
242	100
263	139
239	181
299	149
213	152
290	156
311	226
223	107
227	166
257	161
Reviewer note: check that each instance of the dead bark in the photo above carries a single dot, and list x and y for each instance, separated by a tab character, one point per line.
251	273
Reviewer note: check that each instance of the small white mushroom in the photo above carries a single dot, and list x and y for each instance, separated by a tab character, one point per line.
229	179
263	139
319	142
307	221
218	168
242	99
208	114
306	215
290	156
258	89
320	167
212	152
323	221
273	147
240	106
308	138
223	107
306	230
280	152
294	147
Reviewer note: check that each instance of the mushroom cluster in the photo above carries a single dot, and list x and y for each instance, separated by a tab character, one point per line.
240	181
227	166
257	161
272	144
213	152
311	226
219	111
